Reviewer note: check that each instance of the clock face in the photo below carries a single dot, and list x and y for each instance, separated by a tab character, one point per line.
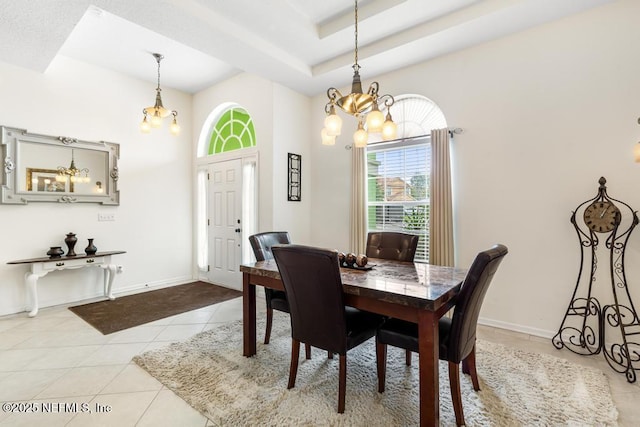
602	217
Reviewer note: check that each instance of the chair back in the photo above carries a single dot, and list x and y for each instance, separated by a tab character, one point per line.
392	245
311	278
462	334
261	243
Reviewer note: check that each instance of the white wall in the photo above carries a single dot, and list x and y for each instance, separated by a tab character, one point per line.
546	112
281	122
154	220
157	172
330	180
291	136
255	95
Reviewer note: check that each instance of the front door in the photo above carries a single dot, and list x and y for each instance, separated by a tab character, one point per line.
225	229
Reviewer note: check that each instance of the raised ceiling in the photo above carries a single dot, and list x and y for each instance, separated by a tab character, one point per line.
306	45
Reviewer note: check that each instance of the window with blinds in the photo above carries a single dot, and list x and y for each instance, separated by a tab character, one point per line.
398	175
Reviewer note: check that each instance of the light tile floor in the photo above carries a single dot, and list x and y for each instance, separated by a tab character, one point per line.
56	358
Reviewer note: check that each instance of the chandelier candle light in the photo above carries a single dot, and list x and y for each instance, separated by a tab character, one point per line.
363	106
158	112
72	173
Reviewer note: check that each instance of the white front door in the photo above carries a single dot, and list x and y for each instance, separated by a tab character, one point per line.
225	229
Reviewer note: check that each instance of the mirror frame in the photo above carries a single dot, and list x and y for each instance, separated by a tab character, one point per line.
11	137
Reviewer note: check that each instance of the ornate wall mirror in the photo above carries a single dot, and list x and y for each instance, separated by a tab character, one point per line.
41	168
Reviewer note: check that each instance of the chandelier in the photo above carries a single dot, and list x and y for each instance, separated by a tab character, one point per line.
158	112
365	107
72	173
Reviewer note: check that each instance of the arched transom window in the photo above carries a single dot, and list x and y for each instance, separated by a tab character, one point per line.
233	130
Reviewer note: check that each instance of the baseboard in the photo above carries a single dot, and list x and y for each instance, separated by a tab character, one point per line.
222	285
160	284
542	333
132	289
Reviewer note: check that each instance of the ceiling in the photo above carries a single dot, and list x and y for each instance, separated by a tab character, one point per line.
307	45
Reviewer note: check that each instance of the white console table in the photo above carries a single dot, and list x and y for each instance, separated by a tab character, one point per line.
41	266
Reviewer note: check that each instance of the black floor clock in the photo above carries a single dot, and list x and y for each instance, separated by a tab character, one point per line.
589	327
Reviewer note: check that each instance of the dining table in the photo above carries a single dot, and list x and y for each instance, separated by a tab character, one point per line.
416	292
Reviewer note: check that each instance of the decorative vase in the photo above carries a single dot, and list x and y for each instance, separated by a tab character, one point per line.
70	241
361	260
91	248
350	259
55	252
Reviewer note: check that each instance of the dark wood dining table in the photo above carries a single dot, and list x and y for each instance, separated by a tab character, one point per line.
415	292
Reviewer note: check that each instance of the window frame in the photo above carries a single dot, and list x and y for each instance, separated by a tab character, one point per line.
422	253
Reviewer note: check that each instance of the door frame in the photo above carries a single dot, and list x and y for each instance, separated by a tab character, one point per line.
203	163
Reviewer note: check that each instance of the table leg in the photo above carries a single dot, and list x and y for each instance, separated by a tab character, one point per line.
109	274
429	372
248	316
31	282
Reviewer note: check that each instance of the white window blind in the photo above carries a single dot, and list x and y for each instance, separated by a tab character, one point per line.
398	175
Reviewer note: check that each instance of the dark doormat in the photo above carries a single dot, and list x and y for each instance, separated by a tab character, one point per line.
133	310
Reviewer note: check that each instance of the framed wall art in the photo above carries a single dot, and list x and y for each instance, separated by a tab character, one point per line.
294	177
45	180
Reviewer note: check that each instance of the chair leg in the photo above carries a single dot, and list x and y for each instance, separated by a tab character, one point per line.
267	332
456	398
381	364
469	367
408	357
330	354
307	351
293	369
342	383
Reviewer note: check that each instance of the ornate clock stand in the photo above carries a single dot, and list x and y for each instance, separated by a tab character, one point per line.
589	327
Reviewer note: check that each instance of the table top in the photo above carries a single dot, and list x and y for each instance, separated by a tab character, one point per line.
63	258
406	283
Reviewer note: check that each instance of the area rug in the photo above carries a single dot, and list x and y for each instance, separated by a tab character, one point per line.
134	310
517	388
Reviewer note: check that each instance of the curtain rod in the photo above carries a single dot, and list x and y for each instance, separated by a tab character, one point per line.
456	131
452	131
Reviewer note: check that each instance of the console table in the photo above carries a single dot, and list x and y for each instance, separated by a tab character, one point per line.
41	266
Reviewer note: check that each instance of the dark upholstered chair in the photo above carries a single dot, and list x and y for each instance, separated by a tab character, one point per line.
392	245
261	244
457	335
311	278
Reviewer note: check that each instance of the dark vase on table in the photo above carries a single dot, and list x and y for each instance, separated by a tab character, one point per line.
70	241
55	252
91	248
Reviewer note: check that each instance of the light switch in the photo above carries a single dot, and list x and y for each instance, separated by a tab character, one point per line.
106	216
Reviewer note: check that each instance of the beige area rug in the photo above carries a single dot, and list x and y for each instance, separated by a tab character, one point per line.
517	388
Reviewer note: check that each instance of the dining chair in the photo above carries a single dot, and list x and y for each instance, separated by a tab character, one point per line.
261	244
391	245
319	317
395	246
457	335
